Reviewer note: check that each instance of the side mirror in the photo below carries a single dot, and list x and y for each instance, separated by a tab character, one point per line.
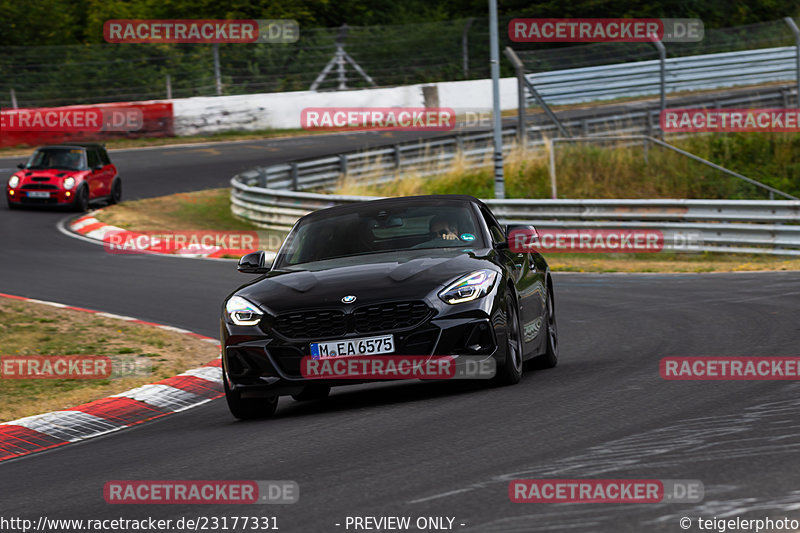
97	168
20	165
521	238
254	263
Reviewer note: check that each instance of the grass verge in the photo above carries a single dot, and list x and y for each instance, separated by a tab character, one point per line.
196	211
614	170
34	329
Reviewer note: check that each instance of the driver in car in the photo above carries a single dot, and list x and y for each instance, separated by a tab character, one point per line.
442	228
442	231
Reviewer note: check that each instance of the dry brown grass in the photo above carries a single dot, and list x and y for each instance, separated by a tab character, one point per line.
36	329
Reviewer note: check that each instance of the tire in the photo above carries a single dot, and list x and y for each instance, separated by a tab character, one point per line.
312	393
511	371
549	358
116	192
249	408
81	202
12	205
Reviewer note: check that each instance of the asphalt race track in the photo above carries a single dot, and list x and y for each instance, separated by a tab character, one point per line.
430	449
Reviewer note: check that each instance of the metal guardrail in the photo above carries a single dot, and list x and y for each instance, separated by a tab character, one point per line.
642	78
737	226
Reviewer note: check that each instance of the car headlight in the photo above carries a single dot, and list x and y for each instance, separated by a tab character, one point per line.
470	287
13	182
69	183
242	312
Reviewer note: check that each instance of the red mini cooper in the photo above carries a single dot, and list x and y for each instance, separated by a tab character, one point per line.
69	175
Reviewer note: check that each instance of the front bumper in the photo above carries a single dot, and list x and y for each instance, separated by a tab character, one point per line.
257	359
57	197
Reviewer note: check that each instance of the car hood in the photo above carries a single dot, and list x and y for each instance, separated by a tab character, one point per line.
47	173
370	278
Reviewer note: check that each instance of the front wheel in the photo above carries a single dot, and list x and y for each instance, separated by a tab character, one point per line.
81	202
249	408
511	371
549	358
116	192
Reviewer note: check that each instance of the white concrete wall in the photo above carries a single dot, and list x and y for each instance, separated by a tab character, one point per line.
212	114
476	94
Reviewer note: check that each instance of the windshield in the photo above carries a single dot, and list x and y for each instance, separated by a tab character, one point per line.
381	229
57	158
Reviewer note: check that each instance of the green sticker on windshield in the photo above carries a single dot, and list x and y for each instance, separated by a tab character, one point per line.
467	237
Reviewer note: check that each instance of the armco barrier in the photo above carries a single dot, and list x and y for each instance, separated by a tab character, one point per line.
157	121
734	226
688	73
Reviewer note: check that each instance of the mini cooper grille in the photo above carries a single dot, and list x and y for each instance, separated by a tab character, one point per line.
390	316
308	324
38	187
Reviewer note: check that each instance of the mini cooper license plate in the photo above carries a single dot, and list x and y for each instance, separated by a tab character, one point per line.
362	346
38	194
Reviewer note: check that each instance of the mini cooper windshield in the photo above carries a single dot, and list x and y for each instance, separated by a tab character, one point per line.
57	158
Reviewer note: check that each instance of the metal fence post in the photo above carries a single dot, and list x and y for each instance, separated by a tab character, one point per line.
343	164
217	74
494	64
169	87
662	55
465	46
397	156
551	148
796	31
519	69
13	99
517	62
294	176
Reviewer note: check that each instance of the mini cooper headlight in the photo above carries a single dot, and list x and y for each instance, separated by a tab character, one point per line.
242	312
13	182
69	183
470	287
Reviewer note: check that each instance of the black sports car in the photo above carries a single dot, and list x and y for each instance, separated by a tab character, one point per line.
423	275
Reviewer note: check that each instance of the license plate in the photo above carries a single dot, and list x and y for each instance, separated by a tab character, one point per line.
38	194
362	346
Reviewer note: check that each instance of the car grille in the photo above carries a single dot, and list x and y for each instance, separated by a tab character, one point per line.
319	324
306	324
390	316
39	187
